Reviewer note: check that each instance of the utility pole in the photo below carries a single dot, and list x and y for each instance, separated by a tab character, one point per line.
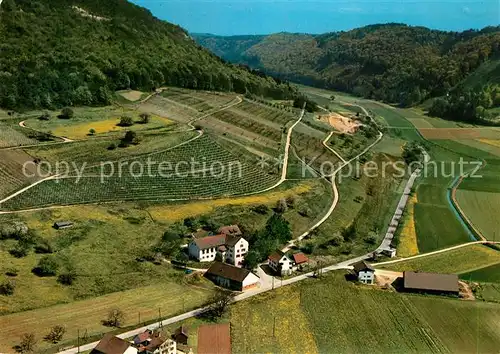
274	327
139	318
78	340
159	317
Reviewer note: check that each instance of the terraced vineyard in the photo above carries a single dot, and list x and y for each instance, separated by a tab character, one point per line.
11	137
200	169
11	171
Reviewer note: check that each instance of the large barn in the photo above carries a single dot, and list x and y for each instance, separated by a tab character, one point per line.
431	283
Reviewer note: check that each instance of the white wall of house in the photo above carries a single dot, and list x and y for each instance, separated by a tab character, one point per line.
283	266
236	255
168	347
250	280
130	350
205	255
366	277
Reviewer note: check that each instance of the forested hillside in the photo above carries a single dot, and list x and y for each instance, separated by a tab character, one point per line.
78	52
393	62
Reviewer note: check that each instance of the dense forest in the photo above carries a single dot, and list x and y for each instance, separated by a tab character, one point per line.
393	62
78	52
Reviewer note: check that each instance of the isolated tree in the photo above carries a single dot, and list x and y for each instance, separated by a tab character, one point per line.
281	206
56	334
28	343
220	303
145	118
126	121
7	288
47	266
349	232
67	113
44	116
115	317
92	131
67	278
290	201
129	138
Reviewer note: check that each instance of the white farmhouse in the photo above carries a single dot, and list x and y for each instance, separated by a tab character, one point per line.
231	249
365	272
280	263
232	277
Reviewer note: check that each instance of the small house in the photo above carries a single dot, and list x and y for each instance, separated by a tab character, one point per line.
111	344
181	335
431	283
389	252
158	345
227	248
214	339
299	260
231	277
62	225
365	272
280	263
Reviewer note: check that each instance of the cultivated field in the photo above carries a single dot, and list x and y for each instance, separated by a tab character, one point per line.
12	176
482	209
346	318
11	136
456	261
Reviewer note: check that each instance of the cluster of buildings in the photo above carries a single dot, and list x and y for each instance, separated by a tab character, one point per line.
415	282
211	339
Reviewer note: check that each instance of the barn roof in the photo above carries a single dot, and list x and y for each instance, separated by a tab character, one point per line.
110	344
362	266
430	281
228	271
230	230
300	258
276	256
214	339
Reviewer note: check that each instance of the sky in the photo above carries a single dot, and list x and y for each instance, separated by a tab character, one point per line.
234	17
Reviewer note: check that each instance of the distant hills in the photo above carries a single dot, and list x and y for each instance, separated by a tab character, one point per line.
78	52
391	62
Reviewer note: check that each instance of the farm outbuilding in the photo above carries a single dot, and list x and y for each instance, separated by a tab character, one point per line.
431	283
214	339
62	225
232	277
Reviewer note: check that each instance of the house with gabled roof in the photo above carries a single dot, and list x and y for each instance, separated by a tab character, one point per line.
111	344
365	272
232	277
228	248
232	230
280	263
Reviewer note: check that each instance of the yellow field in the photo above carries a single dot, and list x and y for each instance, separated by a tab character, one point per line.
408	238
491	142
279	312
81	131
173	213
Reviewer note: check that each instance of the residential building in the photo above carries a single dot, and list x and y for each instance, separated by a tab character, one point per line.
299	260
280	263
431	283
389	252
214	339
149	342
227	248
110	344
232	277
181	335
365	272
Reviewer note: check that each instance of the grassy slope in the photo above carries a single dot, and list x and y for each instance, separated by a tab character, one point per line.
482	209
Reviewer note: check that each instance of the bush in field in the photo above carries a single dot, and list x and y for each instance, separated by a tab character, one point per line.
92	131
28	343
56	334
290	201
47	266
144	118
67	278
11	272
261	209
281	206
126	121
44	116
66	113
7	288
115	318
129	138
305	212
112	146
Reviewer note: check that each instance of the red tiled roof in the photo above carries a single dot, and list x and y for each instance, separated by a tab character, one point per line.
300	258
276	256
214	339
142	337
210	241
230	230
110	344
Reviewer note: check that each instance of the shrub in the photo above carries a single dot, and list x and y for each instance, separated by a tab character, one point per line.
261	209
144	118
126	121
7	288
281	206
290	201
66	113
11	272
112	146
92	131
47	266
305	212
115	318
67	278
56	334
44	116
28	343
129	138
